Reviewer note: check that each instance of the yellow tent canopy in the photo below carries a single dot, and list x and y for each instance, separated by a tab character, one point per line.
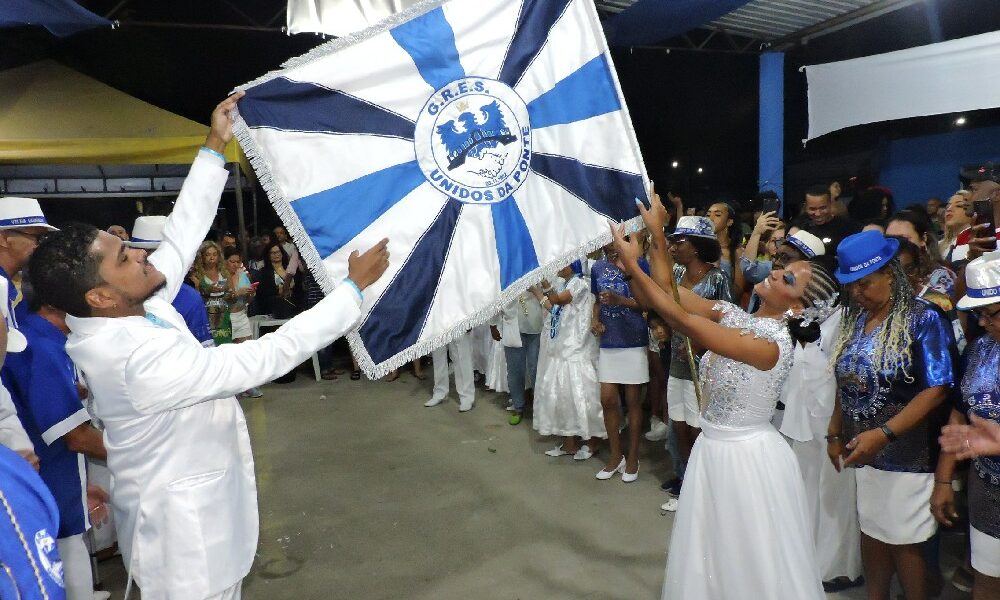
51	114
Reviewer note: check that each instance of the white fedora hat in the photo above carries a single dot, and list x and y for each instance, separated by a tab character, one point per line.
147	233
16	213
982	278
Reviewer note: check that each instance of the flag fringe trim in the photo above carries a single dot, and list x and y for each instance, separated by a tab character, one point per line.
483	316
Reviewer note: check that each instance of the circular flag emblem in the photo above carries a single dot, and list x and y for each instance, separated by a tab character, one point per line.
473	141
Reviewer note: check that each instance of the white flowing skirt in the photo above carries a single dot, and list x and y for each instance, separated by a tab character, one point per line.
496	369
568	399
742	529
833	503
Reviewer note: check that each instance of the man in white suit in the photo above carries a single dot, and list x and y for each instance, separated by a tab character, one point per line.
184	496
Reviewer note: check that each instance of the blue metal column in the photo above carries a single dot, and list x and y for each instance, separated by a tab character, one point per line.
771	172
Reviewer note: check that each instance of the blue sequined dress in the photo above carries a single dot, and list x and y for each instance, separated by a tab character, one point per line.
742	529
981	396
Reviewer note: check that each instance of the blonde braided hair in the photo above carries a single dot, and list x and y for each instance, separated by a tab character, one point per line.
893	352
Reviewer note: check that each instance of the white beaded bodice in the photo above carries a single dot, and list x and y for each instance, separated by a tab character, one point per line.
738	394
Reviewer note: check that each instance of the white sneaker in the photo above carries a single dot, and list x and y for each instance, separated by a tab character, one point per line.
657	430
463	407
669	506
583	453
433	402
510	407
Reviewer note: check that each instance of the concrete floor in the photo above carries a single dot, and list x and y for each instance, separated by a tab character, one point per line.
367	495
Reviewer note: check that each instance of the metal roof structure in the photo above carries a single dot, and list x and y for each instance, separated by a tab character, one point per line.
775	24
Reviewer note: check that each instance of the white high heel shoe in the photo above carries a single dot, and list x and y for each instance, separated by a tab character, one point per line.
605	475
630	477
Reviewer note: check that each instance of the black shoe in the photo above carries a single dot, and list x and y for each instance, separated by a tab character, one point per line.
672	487
841	583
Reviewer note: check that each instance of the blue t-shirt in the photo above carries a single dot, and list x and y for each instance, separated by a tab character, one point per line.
623	327
189	303
28	517
42	383
869	398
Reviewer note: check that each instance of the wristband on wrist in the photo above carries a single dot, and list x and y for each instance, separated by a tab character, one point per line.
834	437
351	283
942	482
888	433
214	153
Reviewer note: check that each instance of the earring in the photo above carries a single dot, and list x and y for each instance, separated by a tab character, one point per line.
115	305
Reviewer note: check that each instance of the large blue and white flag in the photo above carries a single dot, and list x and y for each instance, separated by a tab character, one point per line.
487	139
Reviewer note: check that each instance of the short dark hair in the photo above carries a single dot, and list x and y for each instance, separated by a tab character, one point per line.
820	189
63	269
708	250
231	251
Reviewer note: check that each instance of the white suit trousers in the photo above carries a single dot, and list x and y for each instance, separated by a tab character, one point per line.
461	354
77	578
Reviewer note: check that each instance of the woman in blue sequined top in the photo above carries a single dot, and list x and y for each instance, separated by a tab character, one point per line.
894	361
741	528
979	397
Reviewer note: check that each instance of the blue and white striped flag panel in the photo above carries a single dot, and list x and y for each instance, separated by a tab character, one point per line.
487	139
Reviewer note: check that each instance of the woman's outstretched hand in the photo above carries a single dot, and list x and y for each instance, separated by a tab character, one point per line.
980	438
654	217
628	250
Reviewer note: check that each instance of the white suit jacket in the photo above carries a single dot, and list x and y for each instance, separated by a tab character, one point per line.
184	496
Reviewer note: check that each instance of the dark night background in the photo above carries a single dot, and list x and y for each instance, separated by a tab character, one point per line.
698	108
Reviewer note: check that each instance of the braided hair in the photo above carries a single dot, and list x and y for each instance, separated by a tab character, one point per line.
893	352
822	288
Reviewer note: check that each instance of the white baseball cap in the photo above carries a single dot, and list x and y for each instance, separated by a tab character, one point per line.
806	243
16	213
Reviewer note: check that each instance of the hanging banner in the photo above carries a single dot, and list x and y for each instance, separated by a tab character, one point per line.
487	139
948	77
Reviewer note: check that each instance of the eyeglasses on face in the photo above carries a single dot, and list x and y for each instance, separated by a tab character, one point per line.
987	315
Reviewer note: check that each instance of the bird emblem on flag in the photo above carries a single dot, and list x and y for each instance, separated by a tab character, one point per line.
487	139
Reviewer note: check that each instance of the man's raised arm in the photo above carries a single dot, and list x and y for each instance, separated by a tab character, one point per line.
197	203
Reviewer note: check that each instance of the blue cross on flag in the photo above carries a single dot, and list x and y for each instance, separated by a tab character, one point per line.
487	139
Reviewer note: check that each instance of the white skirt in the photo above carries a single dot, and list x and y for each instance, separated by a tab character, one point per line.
568	400
833	506
623	365
496	368
742	528
241	325
682	401
985	553
895	507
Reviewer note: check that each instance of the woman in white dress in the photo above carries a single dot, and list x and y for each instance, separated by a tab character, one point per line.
567	392
742	529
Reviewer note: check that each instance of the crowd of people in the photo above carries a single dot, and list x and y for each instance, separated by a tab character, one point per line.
799	374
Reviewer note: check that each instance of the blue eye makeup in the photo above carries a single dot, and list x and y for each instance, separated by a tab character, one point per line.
789	279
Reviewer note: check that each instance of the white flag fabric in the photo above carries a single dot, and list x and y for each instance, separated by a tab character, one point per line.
339	17
487	139
947	77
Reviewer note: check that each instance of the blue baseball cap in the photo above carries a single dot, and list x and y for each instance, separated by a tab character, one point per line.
862	254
